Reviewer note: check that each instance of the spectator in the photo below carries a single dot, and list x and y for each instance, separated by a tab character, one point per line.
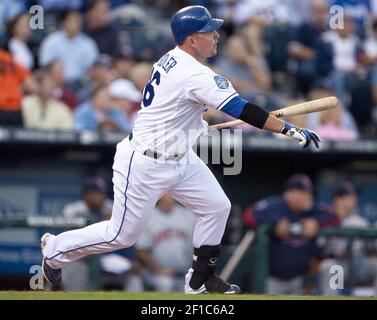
164	247
98	114
331	128
8	10
42	110
311	56
100	29
61	92
351	82
75	50
370	58
346	47
20	33
323	89
101	73
369	53
140	74
344	206
118	267
125	96
12	78
247	73
295	222
122	66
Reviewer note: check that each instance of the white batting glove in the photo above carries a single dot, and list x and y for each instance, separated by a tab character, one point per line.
204	131
304	136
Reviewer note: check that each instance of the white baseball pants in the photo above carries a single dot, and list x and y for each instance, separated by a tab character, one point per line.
139	182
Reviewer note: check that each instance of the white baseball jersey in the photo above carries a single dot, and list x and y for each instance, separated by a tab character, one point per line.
179	91
168	236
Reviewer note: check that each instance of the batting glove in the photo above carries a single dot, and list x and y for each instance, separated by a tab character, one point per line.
304	136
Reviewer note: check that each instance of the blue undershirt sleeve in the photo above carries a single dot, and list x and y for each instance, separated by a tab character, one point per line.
234	107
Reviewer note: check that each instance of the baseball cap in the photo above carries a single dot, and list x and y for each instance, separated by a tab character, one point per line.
344	188
95	184
124	89
299	182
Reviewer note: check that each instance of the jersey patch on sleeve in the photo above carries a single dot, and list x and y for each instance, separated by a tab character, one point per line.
221	82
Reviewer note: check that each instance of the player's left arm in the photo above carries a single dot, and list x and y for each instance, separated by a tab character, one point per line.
260	118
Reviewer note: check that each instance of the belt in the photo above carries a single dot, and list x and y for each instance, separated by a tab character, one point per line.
158	155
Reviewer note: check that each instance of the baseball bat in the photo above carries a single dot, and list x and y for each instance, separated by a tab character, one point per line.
237	255
297	109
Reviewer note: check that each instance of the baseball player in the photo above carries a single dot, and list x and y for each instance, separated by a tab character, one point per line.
157	157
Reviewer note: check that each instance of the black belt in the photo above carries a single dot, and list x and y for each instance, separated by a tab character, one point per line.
157	155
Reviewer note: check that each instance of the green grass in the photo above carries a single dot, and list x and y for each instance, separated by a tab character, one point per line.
114	295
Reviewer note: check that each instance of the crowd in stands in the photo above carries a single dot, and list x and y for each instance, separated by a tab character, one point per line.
87	67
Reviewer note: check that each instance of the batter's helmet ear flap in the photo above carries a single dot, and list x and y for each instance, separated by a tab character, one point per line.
192	19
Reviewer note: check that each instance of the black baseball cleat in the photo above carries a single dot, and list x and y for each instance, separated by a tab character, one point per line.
212	285
53	276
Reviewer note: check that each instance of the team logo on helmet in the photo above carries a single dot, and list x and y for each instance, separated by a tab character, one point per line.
221	82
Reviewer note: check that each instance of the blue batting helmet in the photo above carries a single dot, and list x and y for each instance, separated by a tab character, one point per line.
192	19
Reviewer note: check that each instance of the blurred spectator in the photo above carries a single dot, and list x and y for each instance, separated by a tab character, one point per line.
20	33
61	92
330	126
125	96
101	73
247	73
262	12
351	83
346	47
12	77
122	66
8	10
323	89
370	58
164	248
98	114
74	49
118	268
295	221
42	110
140	74
100	29
369	54
226	10
344	205
312	57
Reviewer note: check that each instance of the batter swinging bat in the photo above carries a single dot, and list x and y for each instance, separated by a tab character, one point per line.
297	109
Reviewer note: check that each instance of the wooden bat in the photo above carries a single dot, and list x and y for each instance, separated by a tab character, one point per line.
297	109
